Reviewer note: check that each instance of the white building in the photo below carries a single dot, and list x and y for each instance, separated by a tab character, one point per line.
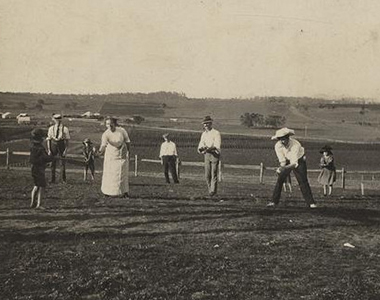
23	118
87	114
6	115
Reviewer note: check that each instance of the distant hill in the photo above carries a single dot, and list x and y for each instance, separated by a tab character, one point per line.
346	119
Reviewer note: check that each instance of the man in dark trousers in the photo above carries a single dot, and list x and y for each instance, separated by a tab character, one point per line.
291	156
169	156
57	144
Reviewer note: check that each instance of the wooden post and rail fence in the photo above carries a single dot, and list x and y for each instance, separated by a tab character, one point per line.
261	168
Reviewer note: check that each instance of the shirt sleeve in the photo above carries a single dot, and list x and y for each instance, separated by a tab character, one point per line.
295	153
175	150
280	154
217	140
66	133
202	141
161	150
50	133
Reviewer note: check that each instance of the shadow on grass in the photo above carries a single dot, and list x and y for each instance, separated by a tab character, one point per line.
364	216
30	235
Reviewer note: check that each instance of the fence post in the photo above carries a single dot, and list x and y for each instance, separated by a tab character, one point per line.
8	159
136	163
362	188
220	171
343	178
261	173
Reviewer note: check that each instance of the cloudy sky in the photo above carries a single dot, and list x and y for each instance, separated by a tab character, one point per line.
202	48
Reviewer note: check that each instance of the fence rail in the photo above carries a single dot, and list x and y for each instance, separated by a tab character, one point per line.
261	168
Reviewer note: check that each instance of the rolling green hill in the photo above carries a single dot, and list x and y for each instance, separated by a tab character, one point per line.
313	118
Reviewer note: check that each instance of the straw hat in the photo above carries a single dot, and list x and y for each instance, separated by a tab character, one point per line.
57	116
282	132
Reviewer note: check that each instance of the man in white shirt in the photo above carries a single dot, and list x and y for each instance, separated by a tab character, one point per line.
209	146
57	144
291	156
168	155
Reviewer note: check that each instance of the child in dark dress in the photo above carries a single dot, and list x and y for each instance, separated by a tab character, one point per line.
89	159
38	159
327	177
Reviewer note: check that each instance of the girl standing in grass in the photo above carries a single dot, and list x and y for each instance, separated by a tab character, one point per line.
327	177
38	159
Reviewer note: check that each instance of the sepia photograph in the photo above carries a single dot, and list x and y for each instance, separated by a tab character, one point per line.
189	150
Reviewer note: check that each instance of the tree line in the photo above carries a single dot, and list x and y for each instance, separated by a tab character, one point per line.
258	120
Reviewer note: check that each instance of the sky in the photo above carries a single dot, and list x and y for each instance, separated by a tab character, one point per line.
206	48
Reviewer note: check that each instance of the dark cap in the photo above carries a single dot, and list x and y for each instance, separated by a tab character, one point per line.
207	120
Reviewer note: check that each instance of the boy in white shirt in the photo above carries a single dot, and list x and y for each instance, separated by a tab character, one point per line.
169	156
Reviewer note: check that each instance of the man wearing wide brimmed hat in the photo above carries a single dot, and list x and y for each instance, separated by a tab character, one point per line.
57	144
209	146
291	156
169	156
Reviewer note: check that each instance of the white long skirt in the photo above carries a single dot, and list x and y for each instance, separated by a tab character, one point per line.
115	180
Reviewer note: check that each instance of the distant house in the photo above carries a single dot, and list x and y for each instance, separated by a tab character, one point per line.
87	114
6	115
23	118
173	120
22	115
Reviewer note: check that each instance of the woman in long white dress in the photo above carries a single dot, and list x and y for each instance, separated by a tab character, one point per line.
116	144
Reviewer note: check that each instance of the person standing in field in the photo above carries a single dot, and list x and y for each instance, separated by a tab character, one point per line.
57	145
38	159
169	157
116	146
327	177
210	146
291	156
89	159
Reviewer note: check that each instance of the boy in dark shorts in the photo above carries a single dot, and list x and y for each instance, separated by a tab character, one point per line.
38	159
89	159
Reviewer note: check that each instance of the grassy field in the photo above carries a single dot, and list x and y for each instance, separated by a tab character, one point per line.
172	242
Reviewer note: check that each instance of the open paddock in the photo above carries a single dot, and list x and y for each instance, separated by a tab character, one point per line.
173	242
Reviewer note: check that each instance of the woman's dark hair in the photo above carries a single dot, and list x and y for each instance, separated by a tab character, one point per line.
327	149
